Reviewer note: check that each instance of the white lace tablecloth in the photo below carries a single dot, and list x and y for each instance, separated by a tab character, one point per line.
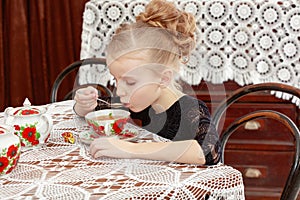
61	170
248	41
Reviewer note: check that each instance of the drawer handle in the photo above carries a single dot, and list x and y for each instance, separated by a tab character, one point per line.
252	173
252	125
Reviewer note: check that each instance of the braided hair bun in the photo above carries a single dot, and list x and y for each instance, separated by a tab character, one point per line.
166	33
164	14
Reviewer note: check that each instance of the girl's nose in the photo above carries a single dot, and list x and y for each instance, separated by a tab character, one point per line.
120	91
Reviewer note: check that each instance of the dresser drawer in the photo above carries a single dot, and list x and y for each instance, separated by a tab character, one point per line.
260	129
260	169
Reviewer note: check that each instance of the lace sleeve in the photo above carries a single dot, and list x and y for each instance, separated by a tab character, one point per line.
206	134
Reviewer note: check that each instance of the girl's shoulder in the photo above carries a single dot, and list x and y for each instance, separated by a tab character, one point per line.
191	101
193	106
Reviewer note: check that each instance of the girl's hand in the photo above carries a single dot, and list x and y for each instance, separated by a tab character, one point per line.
86	100
111	147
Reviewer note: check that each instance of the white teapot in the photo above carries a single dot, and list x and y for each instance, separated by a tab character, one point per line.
31	124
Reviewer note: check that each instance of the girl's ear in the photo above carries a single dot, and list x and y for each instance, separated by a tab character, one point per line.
166	78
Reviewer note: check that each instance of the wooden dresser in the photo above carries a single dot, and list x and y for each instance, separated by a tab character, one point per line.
262	150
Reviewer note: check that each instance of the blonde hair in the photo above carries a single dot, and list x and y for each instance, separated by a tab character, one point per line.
164	31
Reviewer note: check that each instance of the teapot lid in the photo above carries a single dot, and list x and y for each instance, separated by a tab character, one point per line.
27	109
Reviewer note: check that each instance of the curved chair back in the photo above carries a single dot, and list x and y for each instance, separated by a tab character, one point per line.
243	91
292	185
103	90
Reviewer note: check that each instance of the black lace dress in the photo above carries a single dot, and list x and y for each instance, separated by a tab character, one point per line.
186	119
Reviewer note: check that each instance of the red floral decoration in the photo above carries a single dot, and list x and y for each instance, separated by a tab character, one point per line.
10	169
98	129
117	128
2	131
35	142
128	134
22	144
28	133
119	125
16	111
17	127
14	164
3	163
29	112
12	151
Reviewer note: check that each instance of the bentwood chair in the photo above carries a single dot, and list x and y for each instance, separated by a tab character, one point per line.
292	184
74	67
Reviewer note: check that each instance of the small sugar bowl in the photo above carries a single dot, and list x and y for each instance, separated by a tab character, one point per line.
31	124
10	148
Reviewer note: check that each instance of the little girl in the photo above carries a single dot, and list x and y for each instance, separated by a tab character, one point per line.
144	57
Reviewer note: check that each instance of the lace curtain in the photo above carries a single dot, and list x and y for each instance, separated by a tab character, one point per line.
247	41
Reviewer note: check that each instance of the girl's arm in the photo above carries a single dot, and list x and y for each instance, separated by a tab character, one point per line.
188	151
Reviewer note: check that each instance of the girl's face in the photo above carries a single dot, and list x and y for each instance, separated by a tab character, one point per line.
138	86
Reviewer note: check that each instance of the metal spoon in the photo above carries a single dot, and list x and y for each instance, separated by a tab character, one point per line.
113	105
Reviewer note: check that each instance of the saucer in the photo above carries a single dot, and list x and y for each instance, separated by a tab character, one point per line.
88	137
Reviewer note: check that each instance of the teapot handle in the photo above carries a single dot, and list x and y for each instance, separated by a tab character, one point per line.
8	118
49	122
